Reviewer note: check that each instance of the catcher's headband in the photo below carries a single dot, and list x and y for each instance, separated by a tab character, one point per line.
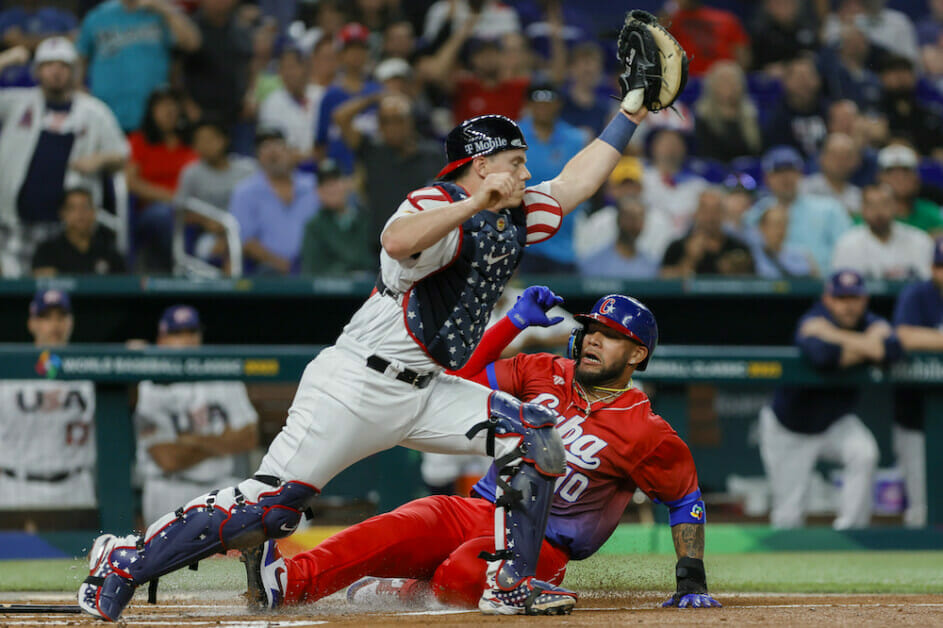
480	137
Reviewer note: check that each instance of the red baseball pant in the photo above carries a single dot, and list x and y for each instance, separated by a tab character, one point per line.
435	538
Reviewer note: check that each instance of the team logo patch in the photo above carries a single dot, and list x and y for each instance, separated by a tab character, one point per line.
697	512
608	306
48	365
501	223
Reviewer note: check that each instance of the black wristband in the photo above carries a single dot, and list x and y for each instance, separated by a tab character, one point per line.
690	576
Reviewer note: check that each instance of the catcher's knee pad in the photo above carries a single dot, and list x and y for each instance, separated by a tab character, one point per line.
525	484
232	518
526	431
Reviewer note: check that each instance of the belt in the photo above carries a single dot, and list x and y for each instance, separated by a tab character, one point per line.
36	477
411	377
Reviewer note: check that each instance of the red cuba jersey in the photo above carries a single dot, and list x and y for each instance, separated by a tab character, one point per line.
611	449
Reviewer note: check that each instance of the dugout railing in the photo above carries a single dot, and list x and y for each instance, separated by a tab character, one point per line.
672	369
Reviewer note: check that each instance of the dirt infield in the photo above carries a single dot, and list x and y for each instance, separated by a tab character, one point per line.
594	609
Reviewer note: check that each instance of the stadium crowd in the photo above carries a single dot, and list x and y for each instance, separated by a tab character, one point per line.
809	136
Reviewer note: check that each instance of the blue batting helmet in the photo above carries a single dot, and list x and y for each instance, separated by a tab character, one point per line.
624	314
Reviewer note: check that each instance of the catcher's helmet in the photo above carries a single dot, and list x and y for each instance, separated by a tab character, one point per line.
477	137
624	314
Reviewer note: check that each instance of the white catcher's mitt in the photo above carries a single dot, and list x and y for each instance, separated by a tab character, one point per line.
656	67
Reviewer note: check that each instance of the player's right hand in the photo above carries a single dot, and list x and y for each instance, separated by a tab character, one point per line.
532	307
497	191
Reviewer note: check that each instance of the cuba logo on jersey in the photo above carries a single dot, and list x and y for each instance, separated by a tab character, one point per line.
697	512
48	365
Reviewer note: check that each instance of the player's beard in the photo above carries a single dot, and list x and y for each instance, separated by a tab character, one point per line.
606	375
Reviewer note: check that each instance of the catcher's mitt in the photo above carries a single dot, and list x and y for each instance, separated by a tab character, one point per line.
656	67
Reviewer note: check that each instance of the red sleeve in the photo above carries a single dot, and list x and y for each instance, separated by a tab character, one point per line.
496	339
136	140
668	472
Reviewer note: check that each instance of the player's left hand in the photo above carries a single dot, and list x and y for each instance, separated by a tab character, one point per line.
691	600
532	306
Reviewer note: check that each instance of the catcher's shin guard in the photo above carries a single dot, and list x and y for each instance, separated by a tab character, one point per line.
233	518
524	492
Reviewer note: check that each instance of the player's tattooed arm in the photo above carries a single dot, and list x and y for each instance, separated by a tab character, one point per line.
689	540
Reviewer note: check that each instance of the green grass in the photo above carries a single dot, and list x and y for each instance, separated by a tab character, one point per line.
785	572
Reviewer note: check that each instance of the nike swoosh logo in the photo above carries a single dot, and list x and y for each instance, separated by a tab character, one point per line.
287	528
491	259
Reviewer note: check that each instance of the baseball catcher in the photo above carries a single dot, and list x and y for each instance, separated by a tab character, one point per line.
656	67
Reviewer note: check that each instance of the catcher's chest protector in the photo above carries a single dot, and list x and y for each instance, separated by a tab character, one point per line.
447	312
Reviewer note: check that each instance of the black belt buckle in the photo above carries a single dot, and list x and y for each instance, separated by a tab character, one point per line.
411	377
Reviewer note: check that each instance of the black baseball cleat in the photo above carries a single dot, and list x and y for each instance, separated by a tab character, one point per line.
266	576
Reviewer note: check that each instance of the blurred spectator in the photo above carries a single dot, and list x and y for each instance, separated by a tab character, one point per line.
487	18
726	122
815	222
868	132
583	104
353	81
890	29
336	239
898	170
930	27
623	260
216	74
159	153
840	158
883	248
211	179
551	142
126	45
918	320
805	425
47	427
399	40
263	67
53	136
780	33
707	249
740	196
909	118
846	72
188	433
799	118
376	15
668	190
325	59
27	25
480	90
774	258
294	107
272	207
394	164
708	35
82	248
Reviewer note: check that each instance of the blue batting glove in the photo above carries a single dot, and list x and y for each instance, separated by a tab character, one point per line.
531	308
691	600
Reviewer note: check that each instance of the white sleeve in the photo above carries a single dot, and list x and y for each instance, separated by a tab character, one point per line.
241	411
544	213
113	139
843	255
151	423
400	274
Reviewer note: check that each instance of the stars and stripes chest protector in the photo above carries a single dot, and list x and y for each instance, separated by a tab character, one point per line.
447	311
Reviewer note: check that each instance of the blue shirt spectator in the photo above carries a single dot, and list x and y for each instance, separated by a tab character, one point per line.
128	52
351	84
774	258
815	222
272	208
550	144
799	119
